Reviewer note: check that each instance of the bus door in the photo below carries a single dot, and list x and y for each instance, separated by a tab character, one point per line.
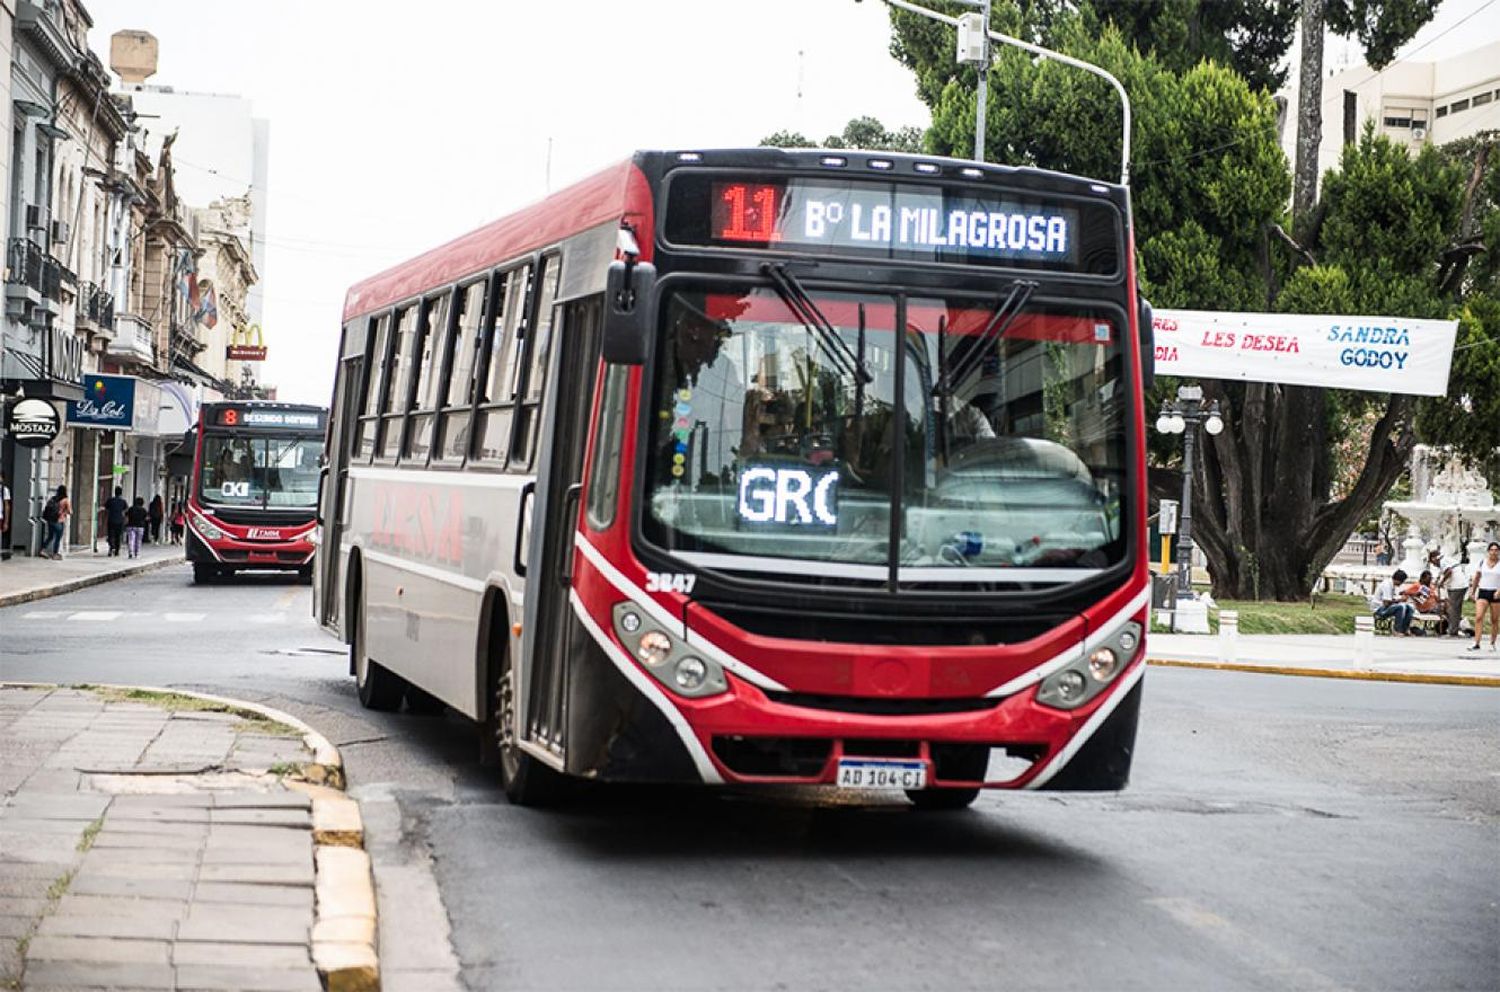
545	649
342	432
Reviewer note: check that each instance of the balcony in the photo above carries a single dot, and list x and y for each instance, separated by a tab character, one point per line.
23	277
134	340
95	310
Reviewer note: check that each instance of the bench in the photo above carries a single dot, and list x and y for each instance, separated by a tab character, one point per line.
1433	623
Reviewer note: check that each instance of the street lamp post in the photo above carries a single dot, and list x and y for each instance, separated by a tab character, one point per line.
1183	416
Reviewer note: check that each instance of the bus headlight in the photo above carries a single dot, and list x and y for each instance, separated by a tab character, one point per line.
1103	664
670	661
691	673
1070	687
208	530
654	647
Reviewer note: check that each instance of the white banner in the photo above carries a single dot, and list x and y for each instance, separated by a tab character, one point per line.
1379	354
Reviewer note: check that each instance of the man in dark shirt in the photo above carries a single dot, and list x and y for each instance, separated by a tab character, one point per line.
114	520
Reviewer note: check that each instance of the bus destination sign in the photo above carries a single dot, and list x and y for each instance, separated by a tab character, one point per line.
234	416
901	218
954	224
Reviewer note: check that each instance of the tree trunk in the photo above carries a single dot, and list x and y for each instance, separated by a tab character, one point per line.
1263	519
1309	116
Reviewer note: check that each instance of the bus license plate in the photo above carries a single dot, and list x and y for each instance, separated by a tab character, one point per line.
868	773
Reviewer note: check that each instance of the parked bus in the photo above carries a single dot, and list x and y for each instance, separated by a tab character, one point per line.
757	466
254	492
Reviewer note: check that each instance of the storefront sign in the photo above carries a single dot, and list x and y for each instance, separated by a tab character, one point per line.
108	403
33	423
1377	354
247	353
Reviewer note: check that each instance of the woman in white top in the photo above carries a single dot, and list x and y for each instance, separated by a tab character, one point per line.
1484	586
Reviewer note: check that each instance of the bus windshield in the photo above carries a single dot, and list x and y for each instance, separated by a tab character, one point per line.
781	443
261	471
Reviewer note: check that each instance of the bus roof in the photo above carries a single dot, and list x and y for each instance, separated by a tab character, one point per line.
588	203
613	193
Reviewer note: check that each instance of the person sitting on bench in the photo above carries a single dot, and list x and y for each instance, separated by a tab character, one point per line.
1389	601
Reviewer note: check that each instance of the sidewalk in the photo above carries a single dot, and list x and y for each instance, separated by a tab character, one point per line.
1437	660
23	579
160	840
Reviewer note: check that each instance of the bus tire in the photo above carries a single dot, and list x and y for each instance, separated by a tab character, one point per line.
935	800
203	574
304	575
421	702
378	689
527	781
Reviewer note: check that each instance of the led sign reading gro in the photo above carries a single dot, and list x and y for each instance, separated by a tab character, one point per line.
789	496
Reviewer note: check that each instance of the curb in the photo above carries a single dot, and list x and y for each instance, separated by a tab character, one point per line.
343	937
83	582
1360	675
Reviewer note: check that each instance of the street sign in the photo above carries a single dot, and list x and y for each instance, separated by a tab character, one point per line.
1377	354
33	423
1167	522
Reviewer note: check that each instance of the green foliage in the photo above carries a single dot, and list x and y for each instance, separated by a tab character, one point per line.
1468	418
861	132
1382	26
1249	36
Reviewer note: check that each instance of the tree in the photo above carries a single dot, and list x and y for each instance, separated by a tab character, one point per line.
1210	187
861	132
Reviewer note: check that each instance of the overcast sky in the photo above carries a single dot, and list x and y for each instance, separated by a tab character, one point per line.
396	126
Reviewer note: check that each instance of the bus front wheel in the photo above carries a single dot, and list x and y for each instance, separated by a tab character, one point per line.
204	574
378	689
941	799
526	780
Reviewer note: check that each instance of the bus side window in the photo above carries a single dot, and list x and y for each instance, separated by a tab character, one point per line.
428	371
534	379
398	373
457	388
499	397
609	431
369	421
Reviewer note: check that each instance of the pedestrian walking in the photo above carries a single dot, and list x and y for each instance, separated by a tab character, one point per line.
158	513
136	520
1484	586
179	522
114	521
4	518
55	514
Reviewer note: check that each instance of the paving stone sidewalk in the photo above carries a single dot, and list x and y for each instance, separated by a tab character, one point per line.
150	844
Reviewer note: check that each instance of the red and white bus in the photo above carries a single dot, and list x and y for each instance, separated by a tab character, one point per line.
254	492
757	466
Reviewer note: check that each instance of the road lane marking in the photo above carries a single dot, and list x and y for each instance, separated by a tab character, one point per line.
44	614
97	615
1250	950
183	617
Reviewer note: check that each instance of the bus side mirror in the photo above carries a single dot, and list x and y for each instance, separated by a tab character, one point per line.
628	291
1148	345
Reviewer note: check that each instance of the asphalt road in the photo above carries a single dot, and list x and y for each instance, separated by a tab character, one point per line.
1281	833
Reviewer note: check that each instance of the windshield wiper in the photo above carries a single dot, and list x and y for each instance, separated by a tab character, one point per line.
1004	315
797	300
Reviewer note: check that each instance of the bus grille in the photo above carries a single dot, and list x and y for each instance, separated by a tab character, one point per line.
774	757
886	628
883	706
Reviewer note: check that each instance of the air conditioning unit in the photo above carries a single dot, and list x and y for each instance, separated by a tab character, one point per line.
60	232
36	217
1419	132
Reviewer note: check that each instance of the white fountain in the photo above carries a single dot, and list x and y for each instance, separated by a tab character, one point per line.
1448	500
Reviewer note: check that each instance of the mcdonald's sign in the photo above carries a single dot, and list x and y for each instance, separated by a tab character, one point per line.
246	344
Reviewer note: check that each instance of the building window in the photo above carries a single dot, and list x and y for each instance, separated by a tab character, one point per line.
1459	106
1483	99
1441	112
1351	117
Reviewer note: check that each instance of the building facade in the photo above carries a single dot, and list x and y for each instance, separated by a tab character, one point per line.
1412	103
